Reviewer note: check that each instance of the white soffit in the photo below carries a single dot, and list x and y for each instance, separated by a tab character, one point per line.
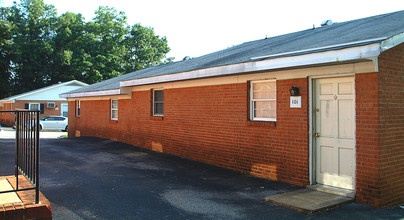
89	94
353	53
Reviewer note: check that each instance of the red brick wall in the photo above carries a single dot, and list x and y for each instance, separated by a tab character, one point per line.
367	139
391	115
7	118
209	124
380	132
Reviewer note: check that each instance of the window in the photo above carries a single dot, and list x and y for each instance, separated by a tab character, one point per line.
158	102
50	105
78	108
114	109
34	106
263	100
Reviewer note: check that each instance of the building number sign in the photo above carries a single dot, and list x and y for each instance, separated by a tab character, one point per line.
295	101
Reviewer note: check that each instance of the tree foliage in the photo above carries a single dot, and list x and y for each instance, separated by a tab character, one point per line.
39	48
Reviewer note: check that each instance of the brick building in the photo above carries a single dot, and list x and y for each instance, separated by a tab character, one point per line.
322	106
45	99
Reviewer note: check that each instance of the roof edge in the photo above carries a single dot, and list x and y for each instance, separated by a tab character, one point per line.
322	49
368	51
89	94
45	89
392	41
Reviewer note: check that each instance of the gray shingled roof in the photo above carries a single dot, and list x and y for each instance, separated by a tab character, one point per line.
385	25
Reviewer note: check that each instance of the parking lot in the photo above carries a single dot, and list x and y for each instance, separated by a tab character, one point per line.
9	132
94	178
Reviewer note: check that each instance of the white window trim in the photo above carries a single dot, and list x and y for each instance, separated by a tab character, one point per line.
154	102
114	109
34	103
252	100
78	108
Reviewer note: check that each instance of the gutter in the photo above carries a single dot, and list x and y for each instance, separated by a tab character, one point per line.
322	49
356	50
336	53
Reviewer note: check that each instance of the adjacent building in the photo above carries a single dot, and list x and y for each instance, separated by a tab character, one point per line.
45	99
322	106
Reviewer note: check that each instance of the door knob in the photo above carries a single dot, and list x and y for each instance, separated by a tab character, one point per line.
317	135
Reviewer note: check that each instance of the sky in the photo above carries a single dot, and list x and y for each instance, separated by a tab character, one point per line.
196	28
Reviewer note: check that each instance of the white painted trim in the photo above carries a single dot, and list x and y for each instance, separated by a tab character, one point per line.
312	165
312	178
88	94
154	102
358	67
77	107
311	95
34	103
335	56
114	109
392	42
252	118
47	88
320	48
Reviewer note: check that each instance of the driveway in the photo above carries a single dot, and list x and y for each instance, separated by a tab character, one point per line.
93	178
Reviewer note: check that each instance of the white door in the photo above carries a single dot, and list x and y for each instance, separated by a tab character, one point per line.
64	109
335	131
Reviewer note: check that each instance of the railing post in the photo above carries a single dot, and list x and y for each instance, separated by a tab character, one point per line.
17	142
26	149
37	159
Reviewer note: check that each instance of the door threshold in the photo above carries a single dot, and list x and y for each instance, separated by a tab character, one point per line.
332	190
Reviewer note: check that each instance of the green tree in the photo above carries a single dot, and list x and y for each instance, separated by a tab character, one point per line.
69	54
145	48
104	43
5	40
105	47
31	50
37	48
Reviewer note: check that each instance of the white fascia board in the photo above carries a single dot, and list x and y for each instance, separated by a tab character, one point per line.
48	88
392	42
321	49
89	94
354	53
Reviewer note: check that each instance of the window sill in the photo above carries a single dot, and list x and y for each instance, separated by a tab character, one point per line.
262	123
156	117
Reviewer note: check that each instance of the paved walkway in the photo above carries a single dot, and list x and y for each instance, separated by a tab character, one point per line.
92	178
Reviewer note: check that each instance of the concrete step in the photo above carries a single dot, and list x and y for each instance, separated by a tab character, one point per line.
333	190
308	201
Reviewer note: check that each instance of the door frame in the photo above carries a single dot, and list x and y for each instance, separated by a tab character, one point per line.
312	126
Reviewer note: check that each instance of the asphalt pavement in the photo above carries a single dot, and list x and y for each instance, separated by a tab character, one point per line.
9	132
94	178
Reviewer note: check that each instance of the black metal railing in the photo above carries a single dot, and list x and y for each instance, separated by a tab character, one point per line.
26	149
